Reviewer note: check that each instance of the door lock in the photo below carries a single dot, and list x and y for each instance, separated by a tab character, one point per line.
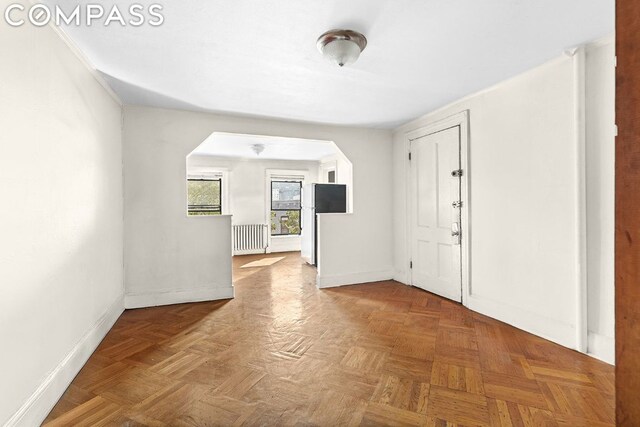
457	204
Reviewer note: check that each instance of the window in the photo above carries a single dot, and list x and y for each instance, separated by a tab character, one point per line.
285	207
331	176
204	196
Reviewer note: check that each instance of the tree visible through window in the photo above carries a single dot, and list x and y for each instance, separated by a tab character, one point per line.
285	207
204	196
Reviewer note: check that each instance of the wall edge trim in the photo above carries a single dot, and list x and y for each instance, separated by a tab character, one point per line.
66	39
559	332
169	297
602	347
354	278
36	408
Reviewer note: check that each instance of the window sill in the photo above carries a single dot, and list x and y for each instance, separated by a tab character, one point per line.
208	216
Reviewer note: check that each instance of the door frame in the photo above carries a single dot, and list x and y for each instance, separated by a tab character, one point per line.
627	229
460	120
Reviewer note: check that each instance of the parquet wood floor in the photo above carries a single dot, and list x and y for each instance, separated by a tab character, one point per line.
285	353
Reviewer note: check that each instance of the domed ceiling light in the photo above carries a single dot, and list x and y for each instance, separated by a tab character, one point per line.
257	148
342	46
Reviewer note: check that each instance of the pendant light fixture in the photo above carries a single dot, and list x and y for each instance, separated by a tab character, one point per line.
342	46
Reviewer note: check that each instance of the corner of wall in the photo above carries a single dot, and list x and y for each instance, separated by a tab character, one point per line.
601	347
85	61
353	279
401	276
553	330
40	403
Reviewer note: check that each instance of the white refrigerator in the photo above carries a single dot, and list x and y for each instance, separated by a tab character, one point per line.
308	224
319	198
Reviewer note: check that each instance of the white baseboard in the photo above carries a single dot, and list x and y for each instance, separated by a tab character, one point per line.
353	278
602	347
553	330
168	297
40	403
277	250
250	252
401	277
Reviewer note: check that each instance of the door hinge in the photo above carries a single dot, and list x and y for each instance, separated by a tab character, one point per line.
410	264
409	155
456	173
457	204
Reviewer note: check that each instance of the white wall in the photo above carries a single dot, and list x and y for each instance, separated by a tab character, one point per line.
170	258
61	219
523	184
348	249
247	195
191	259
156	143
600	155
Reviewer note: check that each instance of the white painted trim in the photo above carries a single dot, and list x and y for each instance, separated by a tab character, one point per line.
273	174
168	297
401	277
211	173
579	103
353	278
206	217
405	273
44	398
602	347
251	252
602	41
85	61
551	329
460	119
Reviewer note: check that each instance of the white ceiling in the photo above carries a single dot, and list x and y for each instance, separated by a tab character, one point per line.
239	146
259	57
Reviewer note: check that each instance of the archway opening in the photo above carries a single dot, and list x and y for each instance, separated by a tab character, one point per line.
273	188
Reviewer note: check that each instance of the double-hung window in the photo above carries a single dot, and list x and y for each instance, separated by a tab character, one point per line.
204	196
286	207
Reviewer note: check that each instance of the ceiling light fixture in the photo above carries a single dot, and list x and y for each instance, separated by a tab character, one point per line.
342	46
257	148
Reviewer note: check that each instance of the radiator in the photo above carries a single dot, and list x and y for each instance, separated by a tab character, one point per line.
249	238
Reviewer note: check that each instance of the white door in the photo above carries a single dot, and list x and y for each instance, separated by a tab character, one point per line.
435	216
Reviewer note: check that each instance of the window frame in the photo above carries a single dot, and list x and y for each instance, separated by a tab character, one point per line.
194	212
271	209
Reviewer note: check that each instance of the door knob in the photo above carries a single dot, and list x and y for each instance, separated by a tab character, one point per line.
455	233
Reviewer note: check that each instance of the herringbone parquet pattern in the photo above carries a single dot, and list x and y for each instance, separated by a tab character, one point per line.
284	353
